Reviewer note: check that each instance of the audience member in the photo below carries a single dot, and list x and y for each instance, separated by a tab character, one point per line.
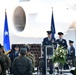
4	61
31	56
13	54
21	64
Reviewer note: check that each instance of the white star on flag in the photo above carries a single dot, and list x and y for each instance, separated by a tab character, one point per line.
6	33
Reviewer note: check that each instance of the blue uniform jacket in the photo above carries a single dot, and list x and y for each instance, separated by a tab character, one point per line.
72	51
52	41
62	43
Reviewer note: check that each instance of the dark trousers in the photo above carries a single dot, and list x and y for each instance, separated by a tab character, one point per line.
51	66
11	69
44	66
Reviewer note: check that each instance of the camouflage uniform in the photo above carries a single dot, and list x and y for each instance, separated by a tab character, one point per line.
27	64
7	61
31	56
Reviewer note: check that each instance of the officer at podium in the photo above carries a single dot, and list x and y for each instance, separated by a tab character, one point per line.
61	41
48	41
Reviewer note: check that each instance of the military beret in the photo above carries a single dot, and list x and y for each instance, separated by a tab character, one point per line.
70	41
60	33
49	32
23	51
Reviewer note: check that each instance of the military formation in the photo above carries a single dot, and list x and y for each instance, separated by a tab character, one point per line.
49	40
20	61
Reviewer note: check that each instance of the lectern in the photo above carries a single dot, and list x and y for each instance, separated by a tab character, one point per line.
49	51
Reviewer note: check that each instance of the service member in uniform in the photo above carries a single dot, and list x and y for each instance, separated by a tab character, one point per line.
30	56
2	48
48	41
61	41
6	64
21	64
13	54
71	51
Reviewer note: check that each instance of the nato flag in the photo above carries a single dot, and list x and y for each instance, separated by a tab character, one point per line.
52	25
6	40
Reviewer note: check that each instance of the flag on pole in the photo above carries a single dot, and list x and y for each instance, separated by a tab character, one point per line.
52	25
6	40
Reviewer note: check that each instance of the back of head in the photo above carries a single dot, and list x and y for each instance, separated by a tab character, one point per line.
23	50
1	46
1	51
28	48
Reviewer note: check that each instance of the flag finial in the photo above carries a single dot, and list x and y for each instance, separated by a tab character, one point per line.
5	11
52	8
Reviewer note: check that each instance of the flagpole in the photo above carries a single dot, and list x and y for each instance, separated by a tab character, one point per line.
52	9
5	10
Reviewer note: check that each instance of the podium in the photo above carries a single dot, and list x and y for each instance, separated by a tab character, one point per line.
49	51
